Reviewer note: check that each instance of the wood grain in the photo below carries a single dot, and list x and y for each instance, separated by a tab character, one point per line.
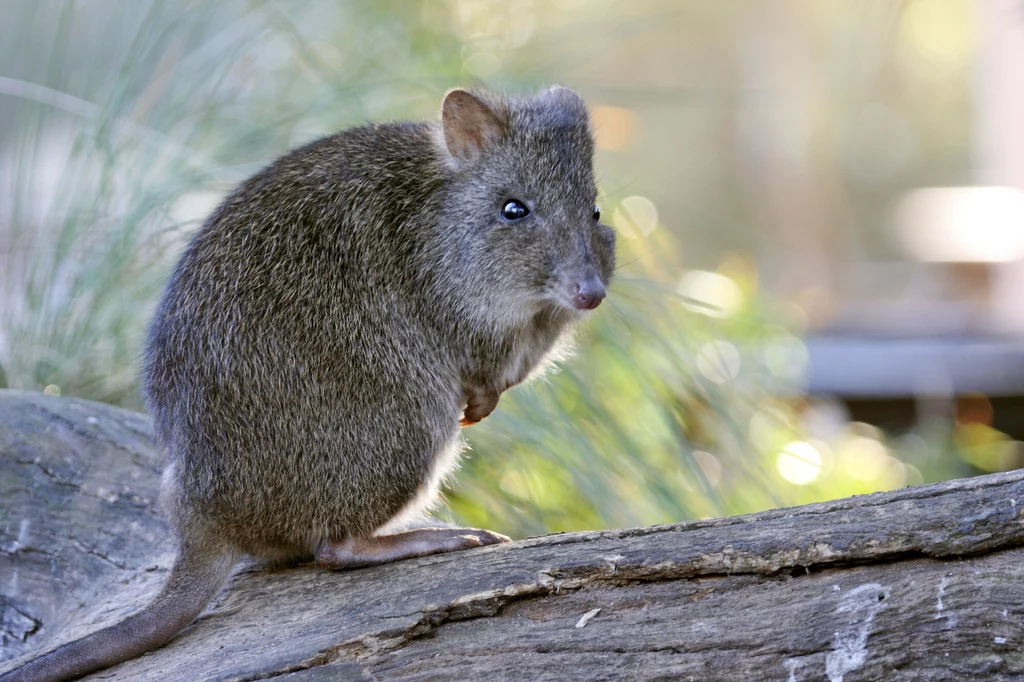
924	583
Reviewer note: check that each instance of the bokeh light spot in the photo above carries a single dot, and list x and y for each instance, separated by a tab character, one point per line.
786	356
710	466
636	217
719	361
614	127
865	459
710	293
942	32
799	463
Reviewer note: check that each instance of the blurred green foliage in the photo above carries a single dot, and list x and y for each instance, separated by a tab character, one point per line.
125	121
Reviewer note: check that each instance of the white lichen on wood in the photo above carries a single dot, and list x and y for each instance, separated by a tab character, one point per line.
850	653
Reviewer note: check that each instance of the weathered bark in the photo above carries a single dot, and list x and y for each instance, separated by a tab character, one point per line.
924	583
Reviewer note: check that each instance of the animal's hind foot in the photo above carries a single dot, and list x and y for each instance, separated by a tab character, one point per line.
358	552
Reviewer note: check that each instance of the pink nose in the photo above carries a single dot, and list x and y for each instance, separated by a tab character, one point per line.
589	293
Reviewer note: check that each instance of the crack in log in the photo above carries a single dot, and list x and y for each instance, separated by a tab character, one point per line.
15	548
310	664
56	417
15	623
125	494
489	603
46	472
92	551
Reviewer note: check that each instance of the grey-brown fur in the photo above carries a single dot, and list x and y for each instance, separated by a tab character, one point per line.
324	331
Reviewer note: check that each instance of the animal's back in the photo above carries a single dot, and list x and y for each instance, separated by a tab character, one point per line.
290	371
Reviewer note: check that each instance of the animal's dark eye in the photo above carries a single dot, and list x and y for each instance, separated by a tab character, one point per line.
514	210
597	212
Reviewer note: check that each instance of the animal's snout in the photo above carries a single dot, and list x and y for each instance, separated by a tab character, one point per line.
589	292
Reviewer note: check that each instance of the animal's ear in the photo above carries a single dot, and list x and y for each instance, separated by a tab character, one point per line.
566	101
470	125
563	94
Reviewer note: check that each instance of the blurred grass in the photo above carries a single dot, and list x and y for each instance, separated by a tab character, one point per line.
124	121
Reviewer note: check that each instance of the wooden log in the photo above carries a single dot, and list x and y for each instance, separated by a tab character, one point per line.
924	583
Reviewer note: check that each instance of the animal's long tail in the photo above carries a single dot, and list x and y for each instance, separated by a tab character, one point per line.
197	576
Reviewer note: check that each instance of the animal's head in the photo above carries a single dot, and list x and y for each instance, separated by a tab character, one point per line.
523	201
